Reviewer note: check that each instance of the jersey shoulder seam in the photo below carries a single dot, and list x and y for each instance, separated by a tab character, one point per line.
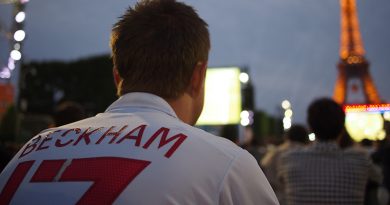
225	176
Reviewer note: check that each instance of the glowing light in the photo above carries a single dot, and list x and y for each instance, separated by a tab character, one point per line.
20	17
286	123
367	108
312	137
354	60
382	135
11	64
19	35
288	113
246	118
364	125
286	104
351	42
16	55
5	73
245	121
222	97
344	54
244	77
17	46
386	115
244	114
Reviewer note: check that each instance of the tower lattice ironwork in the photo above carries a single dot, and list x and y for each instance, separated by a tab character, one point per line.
353	64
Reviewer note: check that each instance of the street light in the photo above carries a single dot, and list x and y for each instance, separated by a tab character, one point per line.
244	77
20	17
16	55
19	35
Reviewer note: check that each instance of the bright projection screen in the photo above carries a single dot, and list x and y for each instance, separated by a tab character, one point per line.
222	103
366	121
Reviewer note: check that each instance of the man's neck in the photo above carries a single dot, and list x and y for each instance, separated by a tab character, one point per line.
183	107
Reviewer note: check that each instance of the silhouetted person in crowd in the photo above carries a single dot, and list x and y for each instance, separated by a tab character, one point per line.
345	140
323	173
382	158
252	144
68	112
366	147
295	138
143	149
230	132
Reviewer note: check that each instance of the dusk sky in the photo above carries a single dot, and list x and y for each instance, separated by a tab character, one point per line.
290	46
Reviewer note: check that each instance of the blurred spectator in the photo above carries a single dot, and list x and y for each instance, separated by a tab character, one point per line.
365	147
230	132
67	112
323	173
382	157
252	144
345	140
295	138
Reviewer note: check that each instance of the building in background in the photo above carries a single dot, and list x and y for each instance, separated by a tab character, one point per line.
354	85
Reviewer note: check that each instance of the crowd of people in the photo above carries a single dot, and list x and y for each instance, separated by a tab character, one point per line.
145	149
324	172
333	169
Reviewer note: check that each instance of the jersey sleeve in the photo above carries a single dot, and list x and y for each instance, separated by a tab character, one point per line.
245	183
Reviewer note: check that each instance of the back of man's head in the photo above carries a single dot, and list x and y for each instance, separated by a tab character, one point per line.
326	119
297	133
156	45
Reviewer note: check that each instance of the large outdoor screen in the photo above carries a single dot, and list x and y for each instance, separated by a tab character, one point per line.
366	121
222	97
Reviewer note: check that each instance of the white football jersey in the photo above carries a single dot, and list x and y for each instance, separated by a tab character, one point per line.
137	152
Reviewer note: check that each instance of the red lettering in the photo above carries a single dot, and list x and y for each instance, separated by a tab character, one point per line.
58	141
48	170
110	176
109	133
164	140
85	135
14	181
30	147
179	140
137	137
47	138
40	147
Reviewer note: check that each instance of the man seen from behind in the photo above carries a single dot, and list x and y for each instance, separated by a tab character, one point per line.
143	149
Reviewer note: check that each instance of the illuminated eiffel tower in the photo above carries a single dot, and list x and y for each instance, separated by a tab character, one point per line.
353	67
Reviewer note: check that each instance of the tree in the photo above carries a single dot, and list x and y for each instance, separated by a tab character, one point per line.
86	81
9	125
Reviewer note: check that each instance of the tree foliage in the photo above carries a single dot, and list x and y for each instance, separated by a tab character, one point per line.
86	81
9	125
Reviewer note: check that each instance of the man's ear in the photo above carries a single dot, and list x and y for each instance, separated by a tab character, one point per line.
198	79
117	80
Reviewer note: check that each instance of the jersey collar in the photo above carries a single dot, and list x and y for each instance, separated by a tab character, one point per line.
137	101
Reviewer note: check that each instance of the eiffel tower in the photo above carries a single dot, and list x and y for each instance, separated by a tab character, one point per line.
353	67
